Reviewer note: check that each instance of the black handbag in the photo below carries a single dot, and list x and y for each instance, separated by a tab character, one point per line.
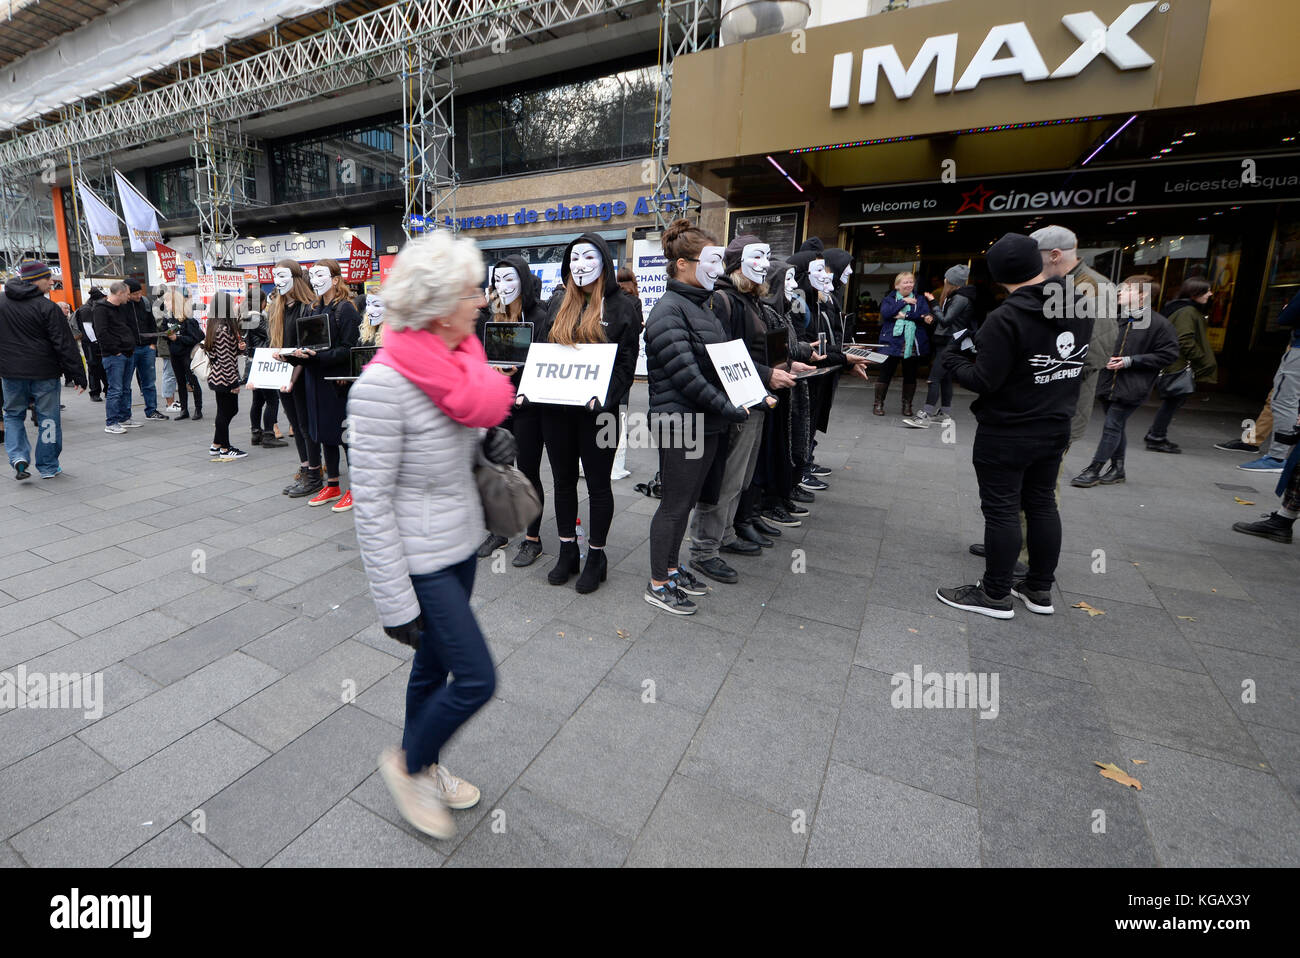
1174	385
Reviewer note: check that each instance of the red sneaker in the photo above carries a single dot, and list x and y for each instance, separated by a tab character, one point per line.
344	504
326	495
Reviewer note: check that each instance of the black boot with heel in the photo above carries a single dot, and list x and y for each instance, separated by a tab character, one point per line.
566	565
593	572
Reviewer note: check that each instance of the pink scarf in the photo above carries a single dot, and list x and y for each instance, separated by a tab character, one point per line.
459	381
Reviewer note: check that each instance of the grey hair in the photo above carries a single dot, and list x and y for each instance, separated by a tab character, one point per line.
1055	237
428	279
119	287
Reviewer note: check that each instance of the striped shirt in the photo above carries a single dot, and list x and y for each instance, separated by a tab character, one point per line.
223	361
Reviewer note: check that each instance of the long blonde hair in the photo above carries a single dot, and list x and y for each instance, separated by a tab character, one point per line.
578	323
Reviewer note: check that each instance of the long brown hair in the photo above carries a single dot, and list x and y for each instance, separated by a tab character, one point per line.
299	292
578	323
221	312
339	290
684	240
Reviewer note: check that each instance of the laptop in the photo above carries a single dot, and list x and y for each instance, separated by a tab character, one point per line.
314	332
359	356
778	353
867	351
506	344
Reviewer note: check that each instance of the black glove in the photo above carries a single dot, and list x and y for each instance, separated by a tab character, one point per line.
499	446
408	634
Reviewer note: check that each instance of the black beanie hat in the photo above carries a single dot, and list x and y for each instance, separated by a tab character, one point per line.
735	249
1014	259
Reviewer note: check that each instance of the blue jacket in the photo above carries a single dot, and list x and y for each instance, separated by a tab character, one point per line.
890	309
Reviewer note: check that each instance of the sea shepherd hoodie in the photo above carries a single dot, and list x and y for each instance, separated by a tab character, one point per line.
1028	365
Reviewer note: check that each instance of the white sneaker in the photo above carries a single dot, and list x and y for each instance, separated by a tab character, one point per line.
115	429
618	474
456	792
418	797
174	407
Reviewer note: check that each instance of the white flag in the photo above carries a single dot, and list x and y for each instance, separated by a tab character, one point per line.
141	216
102	222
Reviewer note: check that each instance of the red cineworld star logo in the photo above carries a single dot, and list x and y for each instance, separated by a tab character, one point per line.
974	200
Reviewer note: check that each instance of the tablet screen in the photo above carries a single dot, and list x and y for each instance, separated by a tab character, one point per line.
506	344
360	356
314	332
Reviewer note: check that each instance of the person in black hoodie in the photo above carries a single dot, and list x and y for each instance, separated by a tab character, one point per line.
183	333
90	348
684	389
36	350
588	307
1027	371
117	335
1146	344
954	312
516	296
292	300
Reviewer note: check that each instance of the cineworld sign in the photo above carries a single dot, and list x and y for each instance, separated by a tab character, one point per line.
1221	182
1096	38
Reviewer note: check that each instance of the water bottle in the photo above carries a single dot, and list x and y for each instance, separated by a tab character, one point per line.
582	540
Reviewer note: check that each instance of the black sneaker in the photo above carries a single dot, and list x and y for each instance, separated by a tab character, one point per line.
491	544
527	554
232	453
158	417
20	470
1236	445
716	569
779	517
795	509
800	494
683	580
971	598
1035	601
811	483
183	415
819	470
670	599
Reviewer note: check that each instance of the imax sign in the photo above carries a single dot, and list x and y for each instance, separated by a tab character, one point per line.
1022	58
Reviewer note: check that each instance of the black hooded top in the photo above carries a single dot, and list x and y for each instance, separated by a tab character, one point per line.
621	321
1029	364
35	340
532	310
813	244
836	261
825	316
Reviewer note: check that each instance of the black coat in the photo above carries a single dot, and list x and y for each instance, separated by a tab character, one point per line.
682	377
742	318
532	310
1150	347
35	341
115	328
327	402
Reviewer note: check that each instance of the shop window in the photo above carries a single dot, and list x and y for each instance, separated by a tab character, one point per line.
336	162
1282	282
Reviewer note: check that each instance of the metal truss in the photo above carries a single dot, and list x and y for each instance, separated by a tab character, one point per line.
371	48
684	27
28	219
223	159
96	173
429	159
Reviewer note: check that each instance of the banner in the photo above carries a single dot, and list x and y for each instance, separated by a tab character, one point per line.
648	264
267	373
141	217
166	262
736	370
358	267
101	221
567	375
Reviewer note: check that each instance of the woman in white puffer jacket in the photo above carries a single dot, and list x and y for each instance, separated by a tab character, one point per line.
416	419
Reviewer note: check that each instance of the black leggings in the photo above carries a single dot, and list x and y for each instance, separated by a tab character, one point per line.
184	376
332	459
526	424
295	410
682	480
570	434
264	410
909	369
227	407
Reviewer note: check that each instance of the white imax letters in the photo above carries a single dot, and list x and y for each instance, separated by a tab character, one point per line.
1094	36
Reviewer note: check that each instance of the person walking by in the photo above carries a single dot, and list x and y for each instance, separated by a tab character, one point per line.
118	336
1284	401
36	350
90	348
686	395
224	344
422	414
1147	343
1026	370
954	312
905	318
1194	362
144	359
183	335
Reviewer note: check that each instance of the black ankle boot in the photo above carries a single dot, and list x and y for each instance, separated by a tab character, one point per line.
1114	474
593	571
1272	526
1089	477
566	565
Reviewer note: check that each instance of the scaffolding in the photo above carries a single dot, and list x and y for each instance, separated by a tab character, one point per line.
682	30
28	219
224	158
429	158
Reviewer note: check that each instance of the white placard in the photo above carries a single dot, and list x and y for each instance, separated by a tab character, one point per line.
267	373
567	375
737	372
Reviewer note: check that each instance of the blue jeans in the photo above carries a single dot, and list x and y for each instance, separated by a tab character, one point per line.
1114	443
451	643
146	374
169	379
117	404
49	428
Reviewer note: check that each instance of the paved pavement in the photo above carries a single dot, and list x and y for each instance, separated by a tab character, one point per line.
247	689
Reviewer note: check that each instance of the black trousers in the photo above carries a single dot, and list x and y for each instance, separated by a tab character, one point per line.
526	425
184	377
264	409
295	410
331	456
227	407
1018	473
891	363
570	434
683	479
95	368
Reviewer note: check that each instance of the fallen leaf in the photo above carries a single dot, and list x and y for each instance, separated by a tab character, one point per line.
1116	774
1214	590
914	631
1087	608
1187	618
622	633
1138	761
560	634
1243	502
